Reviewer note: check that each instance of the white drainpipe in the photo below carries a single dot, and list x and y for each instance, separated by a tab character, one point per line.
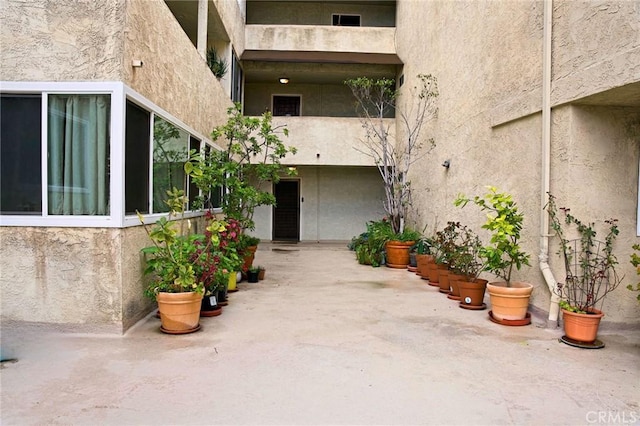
546	162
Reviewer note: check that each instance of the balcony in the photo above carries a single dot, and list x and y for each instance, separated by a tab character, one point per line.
326	141
306	43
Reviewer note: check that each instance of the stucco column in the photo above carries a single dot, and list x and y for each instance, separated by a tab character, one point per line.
203	12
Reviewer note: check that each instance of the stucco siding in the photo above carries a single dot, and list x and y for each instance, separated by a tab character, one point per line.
338	202
596	46
62	276
488	59
64	40
174	75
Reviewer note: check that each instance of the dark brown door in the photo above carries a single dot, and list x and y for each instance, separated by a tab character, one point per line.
286	212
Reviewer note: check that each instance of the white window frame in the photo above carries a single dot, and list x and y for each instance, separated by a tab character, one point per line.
119	93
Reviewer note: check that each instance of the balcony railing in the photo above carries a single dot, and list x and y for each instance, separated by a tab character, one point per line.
347	44
327	141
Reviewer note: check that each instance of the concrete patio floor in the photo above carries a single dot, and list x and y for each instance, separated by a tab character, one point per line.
323	341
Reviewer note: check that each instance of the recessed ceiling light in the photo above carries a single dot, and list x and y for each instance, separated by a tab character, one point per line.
284	80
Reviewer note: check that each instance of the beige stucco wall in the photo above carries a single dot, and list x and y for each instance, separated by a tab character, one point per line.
337	140
488	59
338	201
320	39
62	276
61	40
174	75
594	172
91	279
596	46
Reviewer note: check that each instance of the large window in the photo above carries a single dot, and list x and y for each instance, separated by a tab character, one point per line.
89	154
78	154
170	152
77	165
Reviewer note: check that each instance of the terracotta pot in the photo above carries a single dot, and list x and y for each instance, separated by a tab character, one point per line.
454	290
472	292
423	261
249	255
509	303
443	280
433	271
179	312
582	327
398	253
261	273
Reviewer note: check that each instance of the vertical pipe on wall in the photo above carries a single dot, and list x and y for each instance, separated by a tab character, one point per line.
203	13
546	162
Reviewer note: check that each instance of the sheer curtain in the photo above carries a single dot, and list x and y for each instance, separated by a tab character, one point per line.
78	147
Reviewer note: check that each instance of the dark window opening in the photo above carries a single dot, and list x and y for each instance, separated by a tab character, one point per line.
286	105
21	154
136	159
346	20
194	144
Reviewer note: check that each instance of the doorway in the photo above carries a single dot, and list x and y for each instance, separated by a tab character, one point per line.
286	212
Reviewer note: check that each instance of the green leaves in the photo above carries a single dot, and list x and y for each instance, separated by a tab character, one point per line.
504	221
252	156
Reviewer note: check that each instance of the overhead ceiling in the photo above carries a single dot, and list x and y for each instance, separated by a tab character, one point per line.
186	13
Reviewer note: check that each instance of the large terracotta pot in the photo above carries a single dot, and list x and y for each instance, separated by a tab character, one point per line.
472	292
398	253
509	303
179	312
582	327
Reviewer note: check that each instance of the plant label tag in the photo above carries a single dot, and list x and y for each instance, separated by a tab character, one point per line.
212	300
467	300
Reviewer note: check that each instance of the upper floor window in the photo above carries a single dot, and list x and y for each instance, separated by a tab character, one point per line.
286	105
345	20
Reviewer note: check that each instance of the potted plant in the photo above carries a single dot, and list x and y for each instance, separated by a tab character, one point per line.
465	266
251	158
443	246
217	64
376	100
252	274
398	245
261	272
247	249
509	299
369	246
423	255
170	261
590	274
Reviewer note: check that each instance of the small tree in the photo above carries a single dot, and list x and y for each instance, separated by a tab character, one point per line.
376	100
251	156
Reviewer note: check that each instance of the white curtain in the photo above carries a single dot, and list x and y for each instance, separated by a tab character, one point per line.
78	142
